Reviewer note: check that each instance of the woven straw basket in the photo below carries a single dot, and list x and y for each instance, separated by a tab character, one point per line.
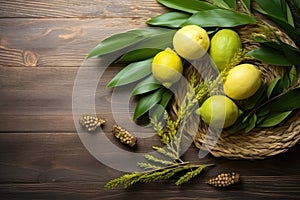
260	142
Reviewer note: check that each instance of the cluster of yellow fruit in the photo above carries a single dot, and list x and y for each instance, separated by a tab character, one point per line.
220	111
192	42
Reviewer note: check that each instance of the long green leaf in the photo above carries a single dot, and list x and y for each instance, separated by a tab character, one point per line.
285	82
158	41
265	42
274	119
293	74
247	5
251	124
272	85
221	4
170	19
220	18
274	7
295	9
190	6
149	79
260	119
147	102
115	43
284	8
290	18
147	85
270	55
139	54
145	88
287	102
231	3
150	46
167	96
131	73
122	40
292	32
263	112
291	53
255	99
237	127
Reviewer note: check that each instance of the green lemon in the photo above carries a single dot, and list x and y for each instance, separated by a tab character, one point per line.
167	67
219	111
191	42
224	45
242	81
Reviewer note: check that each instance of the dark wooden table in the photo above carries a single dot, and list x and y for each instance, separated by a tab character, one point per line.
42	46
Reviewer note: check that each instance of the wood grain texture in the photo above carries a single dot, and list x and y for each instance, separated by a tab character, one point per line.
58	166
40	99
287	189
56	42
79	8
61	157
69	38
42	46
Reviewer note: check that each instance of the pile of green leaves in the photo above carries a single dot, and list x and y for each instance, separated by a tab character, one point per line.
274	102
271	104
211	15
149	41
146	43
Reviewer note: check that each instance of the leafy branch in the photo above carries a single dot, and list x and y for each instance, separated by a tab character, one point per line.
169	162
268	107
165	164
157	174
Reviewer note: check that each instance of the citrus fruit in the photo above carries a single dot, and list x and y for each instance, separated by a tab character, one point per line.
191	42
224	45
242	81
218	111
167	67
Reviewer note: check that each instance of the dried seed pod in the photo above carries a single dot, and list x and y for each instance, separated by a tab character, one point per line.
224	179
124	136
90	123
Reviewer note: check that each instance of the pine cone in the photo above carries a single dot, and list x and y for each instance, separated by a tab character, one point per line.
90	123
224	179
124	136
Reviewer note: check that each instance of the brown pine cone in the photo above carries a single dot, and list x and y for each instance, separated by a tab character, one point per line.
224	179
90	123
124	136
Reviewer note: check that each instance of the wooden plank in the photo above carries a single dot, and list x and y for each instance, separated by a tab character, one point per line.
47	158
41	91
79	8
56	42
61	157
288	189
40	99
36	90
39	166
62	123
45	84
